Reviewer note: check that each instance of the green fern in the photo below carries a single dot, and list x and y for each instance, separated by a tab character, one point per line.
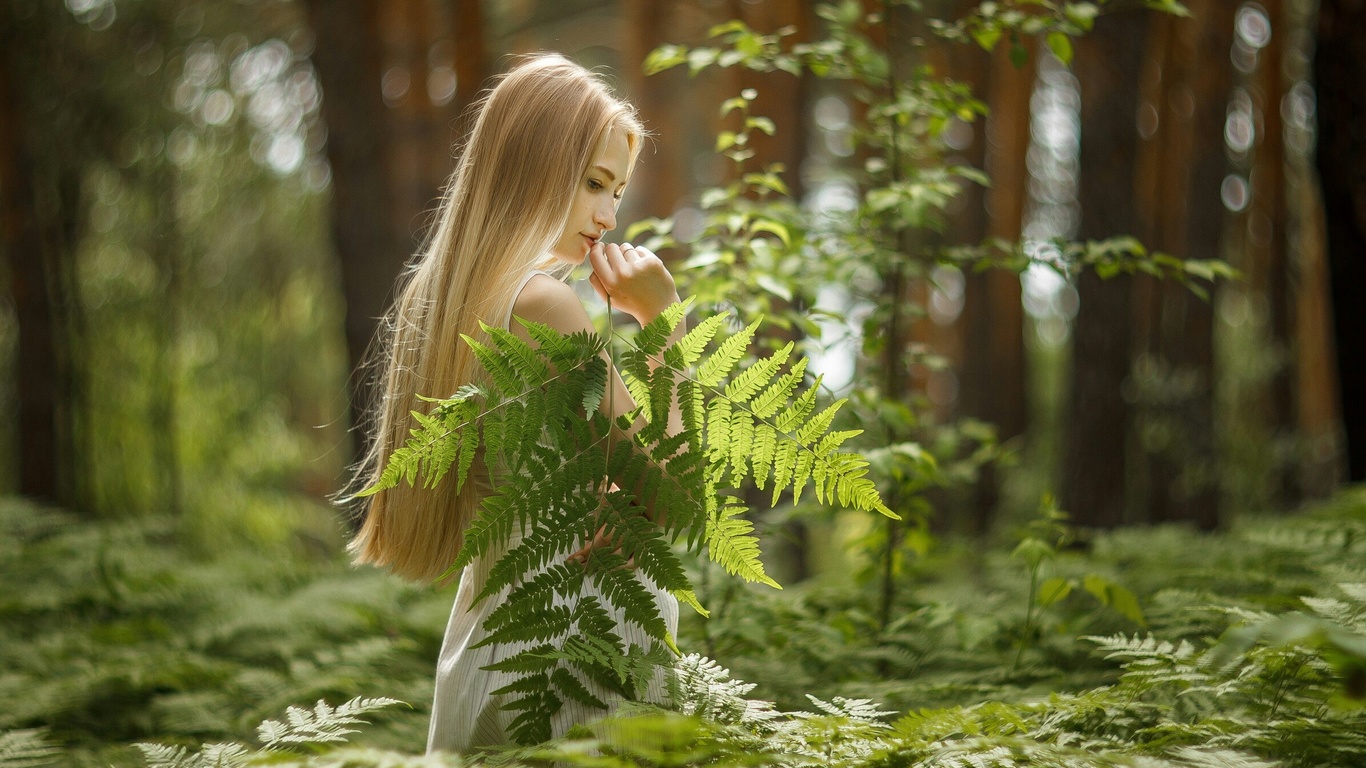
25	749
216	755
323	724
548	450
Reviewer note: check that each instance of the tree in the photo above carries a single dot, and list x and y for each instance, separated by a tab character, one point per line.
1182	213
396	76
348	58
992	379
1339	71
1107	67
40	221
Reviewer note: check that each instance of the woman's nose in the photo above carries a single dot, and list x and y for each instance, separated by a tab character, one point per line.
606	217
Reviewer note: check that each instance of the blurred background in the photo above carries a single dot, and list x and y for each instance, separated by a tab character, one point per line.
205	206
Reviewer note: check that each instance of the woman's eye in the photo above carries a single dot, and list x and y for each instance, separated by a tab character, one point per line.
594	185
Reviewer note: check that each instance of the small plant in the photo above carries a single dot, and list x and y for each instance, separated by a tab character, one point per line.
1043	538
322	725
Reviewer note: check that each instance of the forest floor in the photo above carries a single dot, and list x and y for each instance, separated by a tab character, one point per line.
1158	644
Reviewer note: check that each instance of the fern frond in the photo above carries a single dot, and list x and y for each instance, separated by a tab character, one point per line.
715	368
771	399
731	545
688	349
323	724
654	334
799	410
503	373
742	387
528	364
763	453
622	589
573	689
214	755
28	749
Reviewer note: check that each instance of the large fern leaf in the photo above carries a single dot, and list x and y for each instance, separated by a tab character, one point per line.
550	454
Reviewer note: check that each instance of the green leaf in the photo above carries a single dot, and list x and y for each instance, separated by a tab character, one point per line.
726	356
1082	14
687	597
730	545
689	348
777	228
762	123
1061	46
986	37
1115	596
1053	590
664	57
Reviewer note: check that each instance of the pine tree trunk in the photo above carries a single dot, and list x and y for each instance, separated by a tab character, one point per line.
1183	215
1270	217
39	229
1107	66
661	177
992	385
1339	74
348	57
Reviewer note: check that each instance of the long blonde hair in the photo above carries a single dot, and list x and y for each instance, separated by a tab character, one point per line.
507	204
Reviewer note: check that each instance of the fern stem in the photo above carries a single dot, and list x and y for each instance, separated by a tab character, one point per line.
889	574
1029	618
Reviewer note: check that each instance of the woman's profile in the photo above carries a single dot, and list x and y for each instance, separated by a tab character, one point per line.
535	189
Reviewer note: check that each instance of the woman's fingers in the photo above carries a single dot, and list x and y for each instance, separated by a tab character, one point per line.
617	261
635	280
597	286
597	256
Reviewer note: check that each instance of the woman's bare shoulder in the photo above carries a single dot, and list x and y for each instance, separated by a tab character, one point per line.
554	303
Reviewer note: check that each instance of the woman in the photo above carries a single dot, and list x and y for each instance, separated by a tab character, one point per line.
536	188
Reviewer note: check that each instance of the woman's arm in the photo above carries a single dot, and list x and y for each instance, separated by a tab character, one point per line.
555	304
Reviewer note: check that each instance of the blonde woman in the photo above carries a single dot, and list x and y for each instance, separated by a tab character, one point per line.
536	189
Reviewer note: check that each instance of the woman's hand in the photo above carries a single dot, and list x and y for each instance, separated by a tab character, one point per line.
633	279
602	540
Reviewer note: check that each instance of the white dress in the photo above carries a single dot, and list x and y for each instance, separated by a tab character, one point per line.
465	714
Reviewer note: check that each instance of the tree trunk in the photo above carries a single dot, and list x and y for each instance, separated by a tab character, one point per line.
782	97
992	387
348	57
471	59
1339	72
1107	67
1269	217
1183	215
661	176
39	224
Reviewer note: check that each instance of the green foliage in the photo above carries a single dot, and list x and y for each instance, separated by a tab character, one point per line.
124	631
1249	656
551	452
324	724
25	749
759	250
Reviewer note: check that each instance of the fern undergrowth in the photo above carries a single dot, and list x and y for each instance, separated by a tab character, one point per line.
1252	655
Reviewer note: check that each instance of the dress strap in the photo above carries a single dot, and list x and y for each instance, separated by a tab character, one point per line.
507	319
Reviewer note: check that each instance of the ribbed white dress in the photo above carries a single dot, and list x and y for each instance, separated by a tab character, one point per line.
465	714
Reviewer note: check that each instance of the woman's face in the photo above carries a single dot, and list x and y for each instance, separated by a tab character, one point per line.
595	200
